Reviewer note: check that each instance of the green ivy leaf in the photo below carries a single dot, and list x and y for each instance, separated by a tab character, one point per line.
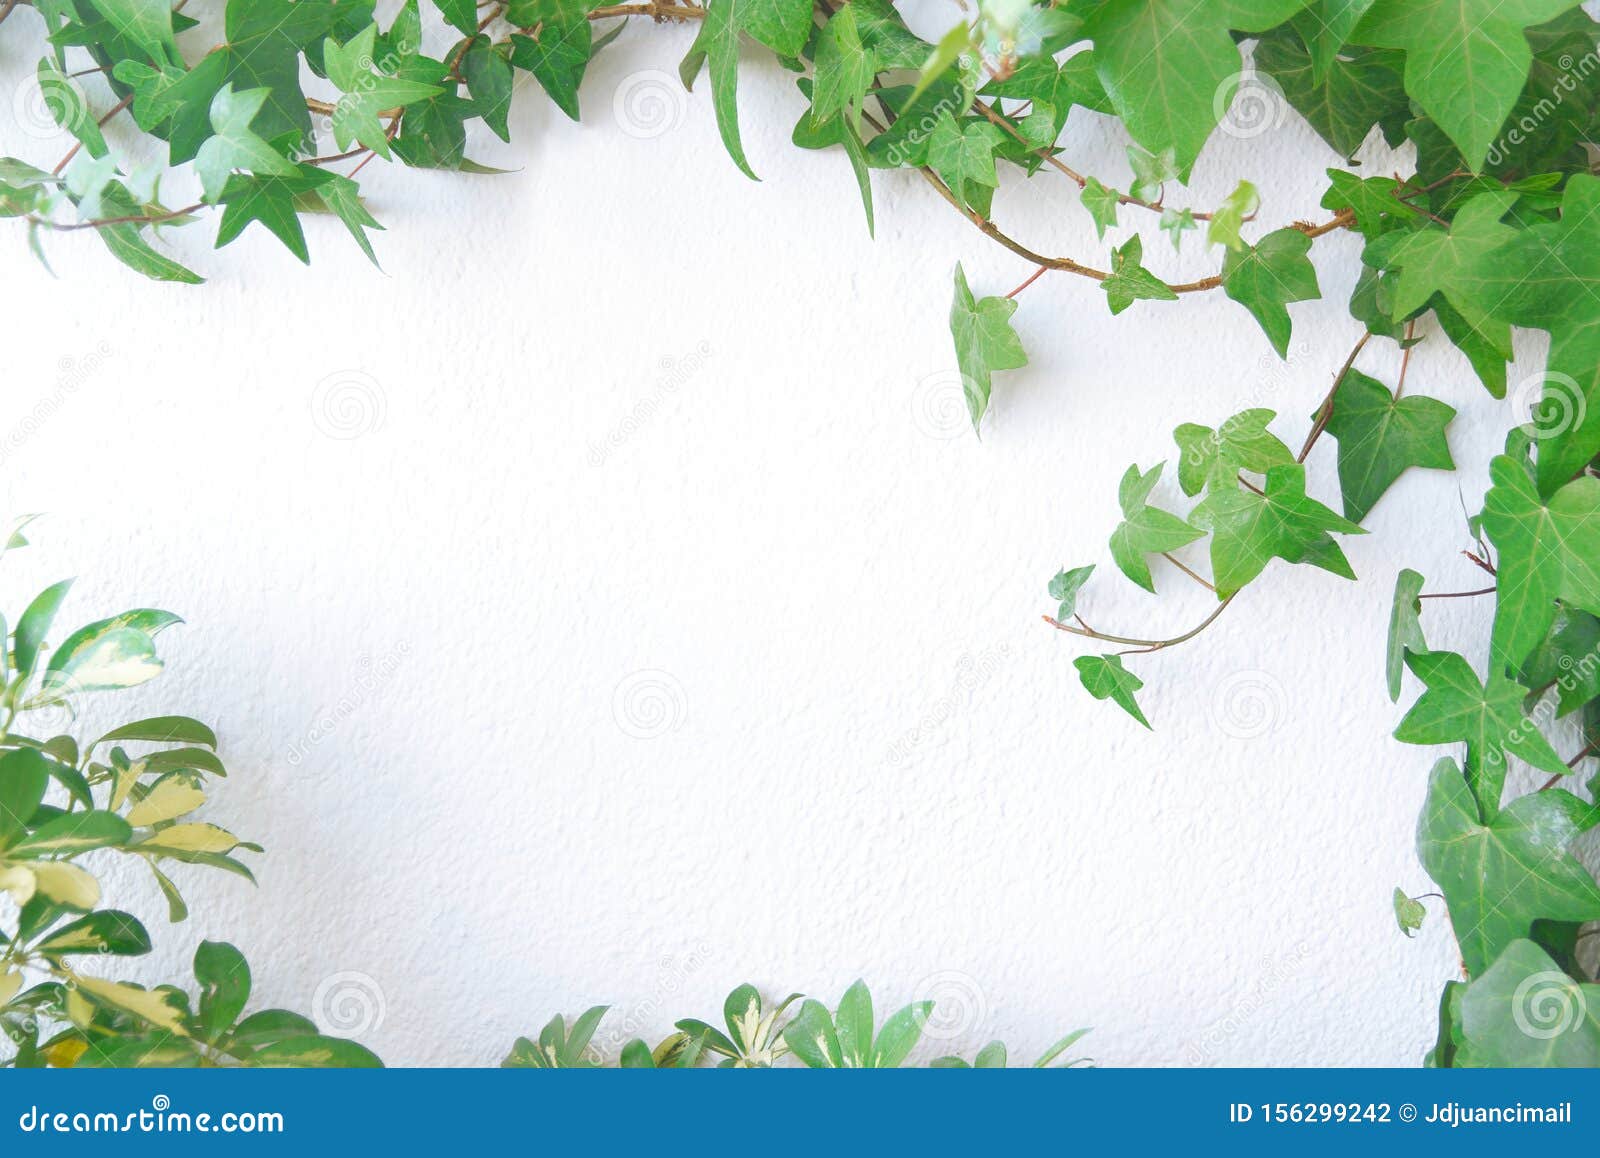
559	55
1104	677
1381	436
1102	204
1549	550
1230	216
1409	913
1526	1012
1405	628
845	68
985	342
1163	61
366	93
1249	530
1151	171
234	145
1176	222
1264	278
1358	89
963	157
1215	457
1129	281
1326	26
145	23
1466	60
1145	530
1487	716
1450	262
1065	588
716	45
1501	875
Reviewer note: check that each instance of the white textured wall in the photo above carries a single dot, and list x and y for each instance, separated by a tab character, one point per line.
623	412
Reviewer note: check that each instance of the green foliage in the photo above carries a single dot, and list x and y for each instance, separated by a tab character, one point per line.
1495	226
756	1037
132	791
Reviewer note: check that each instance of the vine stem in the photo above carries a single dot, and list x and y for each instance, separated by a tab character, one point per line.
1138	646
1325	411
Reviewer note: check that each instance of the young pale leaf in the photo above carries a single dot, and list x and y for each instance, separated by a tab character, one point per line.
1409	913
1145	530
985	342
234	145
1230	216
1215	457
1065	588
1102	204
1129	281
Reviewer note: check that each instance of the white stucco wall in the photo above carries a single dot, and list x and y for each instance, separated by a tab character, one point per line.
604	602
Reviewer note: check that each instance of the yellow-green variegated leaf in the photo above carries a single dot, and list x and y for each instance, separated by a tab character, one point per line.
66	884
113	656
9	984
167	801
17	881
153	1005
193	838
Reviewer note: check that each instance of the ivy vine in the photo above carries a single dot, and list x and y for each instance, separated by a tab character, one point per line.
1495	227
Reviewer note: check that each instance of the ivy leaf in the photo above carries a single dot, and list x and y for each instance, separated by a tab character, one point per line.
716	46
1264	278
1105	678
985	342
1380	436
1151	171
1162	62
342	197
235	146
1145	530
1568	659
273	202
365	92
1243	442
1405	628
1466	60
1375	201
1525	1012
782	25
1409	913
1176	222
1249	530
1362	87
1065	588
844	69
1102	205
1549	550
490	81
462	15
963	156
264	41
1488	717
1433	260
1230	216
1129	281
145	23
559	55
1326	25
1500	876
1549	276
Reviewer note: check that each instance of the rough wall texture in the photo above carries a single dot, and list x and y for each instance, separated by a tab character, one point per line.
605	602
